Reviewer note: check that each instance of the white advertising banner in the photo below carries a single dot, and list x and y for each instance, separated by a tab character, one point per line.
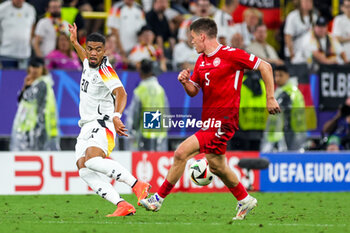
49	173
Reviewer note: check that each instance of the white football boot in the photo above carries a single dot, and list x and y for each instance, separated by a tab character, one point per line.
153	203
244	207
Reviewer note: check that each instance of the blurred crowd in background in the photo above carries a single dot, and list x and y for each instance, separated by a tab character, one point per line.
295	31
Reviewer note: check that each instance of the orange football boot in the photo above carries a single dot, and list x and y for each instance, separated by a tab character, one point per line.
123	209
141	190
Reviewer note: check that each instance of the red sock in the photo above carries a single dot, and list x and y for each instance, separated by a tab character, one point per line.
239	192
165	189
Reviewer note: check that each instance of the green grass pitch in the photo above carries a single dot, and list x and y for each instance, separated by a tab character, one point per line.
181	213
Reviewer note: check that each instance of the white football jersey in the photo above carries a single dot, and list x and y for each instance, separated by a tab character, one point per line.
96	87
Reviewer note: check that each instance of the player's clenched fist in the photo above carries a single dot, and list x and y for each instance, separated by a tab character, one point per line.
184	76
272	106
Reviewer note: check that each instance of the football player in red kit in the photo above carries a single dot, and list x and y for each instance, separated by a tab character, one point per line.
218	72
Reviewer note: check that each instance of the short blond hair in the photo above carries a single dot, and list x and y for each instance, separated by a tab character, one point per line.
253	11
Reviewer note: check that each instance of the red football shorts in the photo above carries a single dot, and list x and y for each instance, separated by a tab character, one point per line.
214	141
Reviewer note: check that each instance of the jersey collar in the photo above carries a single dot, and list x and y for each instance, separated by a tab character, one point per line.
215	51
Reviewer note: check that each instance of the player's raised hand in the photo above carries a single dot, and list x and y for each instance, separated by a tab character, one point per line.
119	127
272	106
73	32
184	76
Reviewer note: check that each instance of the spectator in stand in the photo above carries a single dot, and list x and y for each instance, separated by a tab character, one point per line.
159	24
145	49
341	27
185	55
337	129
298	23
318	46
147	5
261	48
35	126
71	14
63	57
193	7
252	17
48	29
17	20
111	52
224	20
202	9
237	41
126	19
174	17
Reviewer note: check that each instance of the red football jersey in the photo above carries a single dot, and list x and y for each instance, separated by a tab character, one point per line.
219	74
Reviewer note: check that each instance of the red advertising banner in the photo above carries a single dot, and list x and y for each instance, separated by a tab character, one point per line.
153	167
49	173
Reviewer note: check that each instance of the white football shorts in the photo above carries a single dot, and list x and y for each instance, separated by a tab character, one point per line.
97	133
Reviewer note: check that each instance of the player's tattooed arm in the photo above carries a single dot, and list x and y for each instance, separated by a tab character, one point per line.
74	40
184	79
267	75
120	103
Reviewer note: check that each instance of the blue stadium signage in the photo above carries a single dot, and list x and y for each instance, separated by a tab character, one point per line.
306	172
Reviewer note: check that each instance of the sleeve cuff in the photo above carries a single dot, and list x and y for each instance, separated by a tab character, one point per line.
257	63
195	84
119	84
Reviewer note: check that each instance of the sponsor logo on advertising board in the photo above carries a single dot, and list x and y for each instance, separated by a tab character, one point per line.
153	167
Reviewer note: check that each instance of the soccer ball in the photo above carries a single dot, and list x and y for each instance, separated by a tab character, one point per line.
200	173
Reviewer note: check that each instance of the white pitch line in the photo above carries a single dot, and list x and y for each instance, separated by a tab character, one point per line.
189	223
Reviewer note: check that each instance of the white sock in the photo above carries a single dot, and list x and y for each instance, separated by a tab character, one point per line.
112	169
159	197
100	186
245	199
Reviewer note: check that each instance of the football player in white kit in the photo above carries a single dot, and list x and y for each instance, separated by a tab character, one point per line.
102	102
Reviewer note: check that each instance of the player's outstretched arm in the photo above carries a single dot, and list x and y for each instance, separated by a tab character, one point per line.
267	75
74	40
190	88
120	103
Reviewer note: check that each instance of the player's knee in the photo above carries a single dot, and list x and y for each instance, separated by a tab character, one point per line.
216	169
85	173
213	170
81	163
180	155
88	156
